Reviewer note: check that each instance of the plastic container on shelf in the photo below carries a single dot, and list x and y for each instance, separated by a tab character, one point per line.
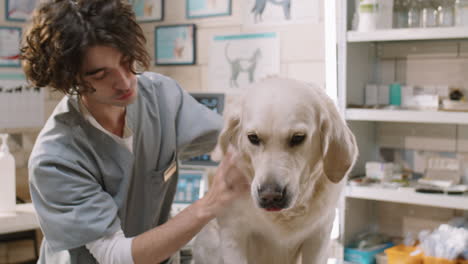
445	13
400	13
414	13
395	94
367	15
381	258
428	16
355	255
7	179
461	13
434	260
401	254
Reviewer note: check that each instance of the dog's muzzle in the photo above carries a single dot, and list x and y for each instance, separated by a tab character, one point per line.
273	197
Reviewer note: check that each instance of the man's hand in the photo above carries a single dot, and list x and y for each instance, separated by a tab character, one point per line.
228	184
161	242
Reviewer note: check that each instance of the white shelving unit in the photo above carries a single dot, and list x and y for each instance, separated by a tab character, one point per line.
408	196
408	34
352	61
436	117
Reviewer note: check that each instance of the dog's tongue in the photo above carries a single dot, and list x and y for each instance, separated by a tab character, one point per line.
273	209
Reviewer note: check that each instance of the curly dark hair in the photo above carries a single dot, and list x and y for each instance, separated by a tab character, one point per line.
62	31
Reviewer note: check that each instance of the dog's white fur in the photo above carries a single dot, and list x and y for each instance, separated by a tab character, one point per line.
312	172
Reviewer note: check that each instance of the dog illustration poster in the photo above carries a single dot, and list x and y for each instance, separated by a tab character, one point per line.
10	46
238	60
258	12
175	44
19	10
208	8
148	10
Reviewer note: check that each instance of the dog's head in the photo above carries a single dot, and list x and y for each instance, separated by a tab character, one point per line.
284	131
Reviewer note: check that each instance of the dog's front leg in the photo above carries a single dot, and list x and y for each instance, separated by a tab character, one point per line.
315	249
233	246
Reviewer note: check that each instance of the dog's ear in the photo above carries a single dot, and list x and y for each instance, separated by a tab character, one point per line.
339	148
230	133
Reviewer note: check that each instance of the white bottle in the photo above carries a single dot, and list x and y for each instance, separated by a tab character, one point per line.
7	179
414	13
461	13
428	16
368	15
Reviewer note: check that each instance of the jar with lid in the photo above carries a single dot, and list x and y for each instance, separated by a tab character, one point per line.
367	15
461	13
428	16
445	13
400	14
414	10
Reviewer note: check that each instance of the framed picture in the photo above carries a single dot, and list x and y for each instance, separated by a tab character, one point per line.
19	10
175	44
148	10
207	8
10	38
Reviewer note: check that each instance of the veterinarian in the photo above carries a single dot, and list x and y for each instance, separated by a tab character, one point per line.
103	170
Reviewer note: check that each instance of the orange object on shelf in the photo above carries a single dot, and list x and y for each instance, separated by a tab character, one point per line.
401	254
433	260
462	261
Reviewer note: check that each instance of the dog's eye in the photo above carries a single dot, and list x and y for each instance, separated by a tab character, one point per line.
297	139
253	138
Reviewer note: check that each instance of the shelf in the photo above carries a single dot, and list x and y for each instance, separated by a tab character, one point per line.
408	196
24	219
435	117
407	34
20	130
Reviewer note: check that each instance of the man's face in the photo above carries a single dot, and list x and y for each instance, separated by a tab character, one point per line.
108	72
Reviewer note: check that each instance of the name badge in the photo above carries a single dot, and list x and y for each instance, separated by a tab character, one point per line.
170	171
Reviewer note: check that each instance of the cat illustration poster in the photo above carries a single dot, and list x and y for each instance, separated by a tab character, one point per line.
238	60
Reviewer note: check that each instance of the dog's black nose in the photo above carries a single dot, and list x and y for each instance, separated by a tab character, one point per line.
272	196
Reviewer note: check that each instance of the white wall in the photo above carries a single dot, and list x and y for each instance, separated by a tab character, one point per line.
302	45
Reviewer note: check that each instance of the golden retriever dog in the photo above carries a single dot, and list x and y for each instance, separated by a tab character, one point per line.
295	149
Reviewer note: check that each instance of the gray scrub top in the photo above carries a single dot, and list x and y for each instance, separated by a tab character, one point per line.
84	185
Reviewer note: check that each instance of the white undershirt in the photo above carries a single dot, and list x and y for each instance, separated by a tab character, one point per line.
126	140
115	248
